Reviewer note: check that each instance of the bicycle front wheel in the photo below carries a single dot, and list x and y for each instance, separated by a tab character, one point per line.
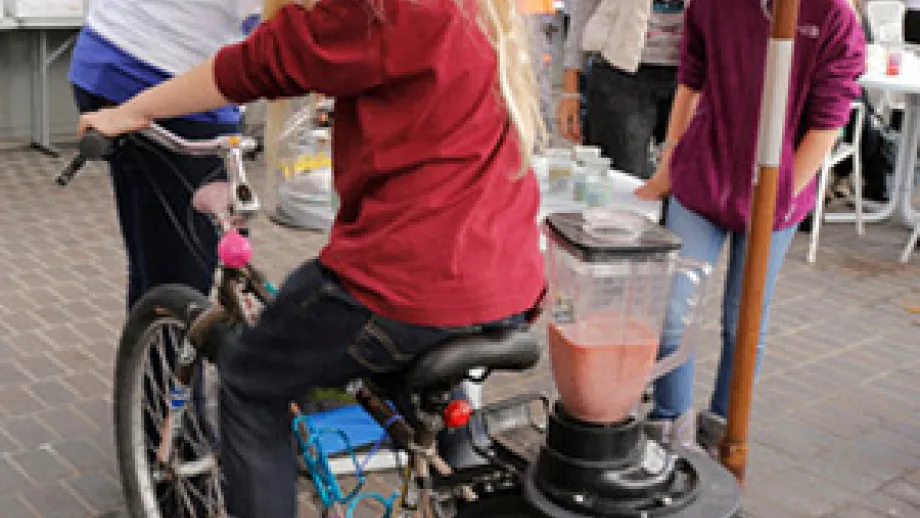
188	483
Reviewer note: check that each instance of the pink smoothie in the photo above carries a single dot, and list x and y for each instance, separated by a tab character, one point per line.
601	365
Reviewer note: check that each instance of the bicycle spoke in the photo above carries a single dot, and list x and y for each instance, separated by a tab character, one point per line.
176	495
167	372
158	398
180	489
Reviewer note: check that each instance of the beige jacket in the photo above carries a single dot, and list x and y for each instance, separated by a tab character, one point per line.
616	29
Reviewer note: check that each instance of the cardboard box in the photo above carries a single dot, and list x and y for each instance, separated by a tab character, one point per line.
38	9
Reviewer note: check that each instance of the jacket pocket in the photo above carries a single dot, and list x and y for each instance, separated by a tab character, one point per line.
376	350
617	30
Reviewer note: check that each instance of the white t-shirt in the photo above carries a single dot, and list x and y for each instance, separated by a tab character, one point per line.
172	35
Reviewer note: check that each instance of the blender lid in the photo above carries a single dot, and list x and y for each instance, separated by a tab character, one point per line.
599	234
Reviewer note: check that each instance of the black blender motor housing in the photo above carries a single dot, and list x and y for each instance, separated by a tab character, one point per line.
612	470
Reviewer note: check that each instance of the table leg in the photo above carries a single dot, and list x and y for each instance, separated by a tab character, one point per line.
41	123
41	139
910	134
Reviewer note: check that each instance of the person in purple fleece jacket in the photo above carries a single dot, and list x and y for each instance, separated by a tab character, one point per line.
710	162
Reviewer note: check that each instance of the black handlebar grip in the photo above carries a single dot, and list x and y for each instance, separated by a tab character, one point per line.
70	171
95	145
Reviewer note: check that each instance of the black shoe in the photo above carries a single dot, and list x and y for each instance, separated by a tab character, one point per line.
807	223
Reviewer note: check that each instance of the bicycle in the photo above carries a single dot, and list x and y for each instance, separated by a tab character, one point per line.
167	458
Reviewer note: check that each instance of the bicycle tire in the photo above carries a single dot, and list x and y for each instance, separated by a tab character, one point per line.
167	304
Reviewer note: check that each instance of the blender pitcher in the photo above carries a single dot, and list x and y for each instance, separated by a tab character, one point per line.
610	273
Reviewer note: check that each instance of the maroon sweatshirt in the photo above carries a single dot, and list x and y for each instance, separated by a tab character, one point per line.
723	57
433	228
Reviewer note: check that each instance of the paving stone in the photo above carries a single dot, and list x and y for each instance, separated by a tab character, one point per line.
87	384
889	506
14	507
12	480
98	489
98	410
39	367
42	466
80	454
67	423
800	491
64	336
31	343
24	320
762	506
913	477
50	315
905	492
52	392
857	510
16	401
7	445
28	432
56	501
11	374
74	360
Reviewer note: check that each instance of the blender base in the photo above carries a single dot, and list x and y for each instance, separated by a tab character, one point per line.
718	497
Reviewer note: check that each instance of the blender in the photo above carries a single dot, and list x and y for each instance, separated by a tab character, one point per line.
610	274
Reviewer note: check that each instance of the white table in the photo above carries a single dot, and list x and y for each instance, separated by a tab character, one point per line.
900	198
42	60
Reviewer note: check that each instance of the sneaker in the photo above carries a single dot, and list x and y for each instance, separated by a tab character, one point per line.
710	430
673	432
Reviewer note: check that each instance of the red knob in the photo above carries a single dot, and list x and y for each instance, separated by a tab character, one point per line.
457	413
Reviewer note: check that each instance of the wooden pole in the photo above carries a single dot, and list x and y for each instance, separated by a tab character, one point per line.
275	111
734	448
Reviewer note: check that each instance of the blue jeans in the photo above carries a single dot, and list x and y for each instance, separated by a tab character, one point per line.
314	334
703	241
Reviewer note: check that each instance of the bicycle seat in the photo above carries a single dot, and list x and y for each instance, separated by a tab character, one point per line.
213	198
449	363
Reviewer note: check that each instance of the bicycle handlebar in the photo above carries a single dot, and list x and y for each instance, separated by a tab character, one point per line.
96	146
93	146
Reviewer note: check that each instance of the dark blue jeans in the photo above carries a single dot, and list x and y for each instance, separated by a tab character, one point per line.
166	241
625	111
314	334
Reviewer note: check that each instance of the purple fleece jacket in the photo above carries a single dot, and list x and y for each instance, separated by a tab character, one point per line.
723	57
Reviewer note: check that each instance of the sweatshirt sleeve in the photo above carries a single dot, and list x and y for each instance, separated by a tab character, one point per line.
335	48
840	62
691	71
580	11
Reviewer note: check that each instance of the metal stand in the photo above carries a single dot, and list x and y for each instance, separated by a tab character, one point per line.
900	201
41	65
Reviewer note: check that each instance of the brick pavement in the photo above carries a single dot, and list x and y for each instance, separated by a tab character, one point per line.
837	412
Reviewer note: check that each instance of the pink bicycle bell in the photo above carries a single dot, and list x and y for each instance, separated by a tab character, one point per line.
234	250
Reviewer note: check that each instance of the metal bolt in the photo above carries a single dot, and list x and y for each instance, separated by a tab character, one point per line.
579	499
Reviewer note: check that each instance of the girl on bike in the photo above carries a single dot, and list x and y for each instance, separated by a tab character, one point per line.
436	115
125	47
709	163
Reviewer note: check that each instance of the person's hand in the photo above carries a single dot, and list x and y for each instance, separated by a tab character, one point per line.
568	118
112	122
657	187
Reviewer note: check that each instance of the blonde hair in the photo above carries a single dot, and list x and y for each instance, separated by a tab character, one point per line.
510	36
